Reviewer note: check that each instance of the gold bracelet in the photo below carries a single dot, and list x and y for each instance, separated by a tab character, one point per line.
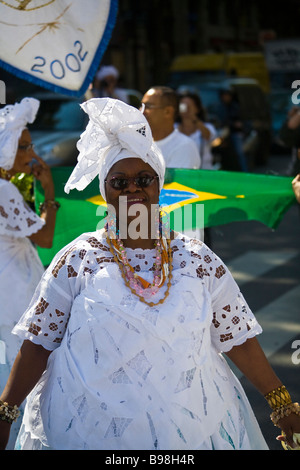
8	413
278	397
49	203
280	401
286	410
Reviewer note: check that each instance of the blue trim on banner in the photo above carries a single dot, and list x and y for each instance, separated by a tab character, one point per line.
110	24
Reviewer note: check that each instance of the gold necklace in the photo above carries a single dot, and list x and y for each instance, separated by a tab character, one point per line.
121	266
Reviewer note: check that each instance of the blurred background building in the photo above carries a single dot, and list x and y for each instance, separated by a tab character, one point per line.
149	35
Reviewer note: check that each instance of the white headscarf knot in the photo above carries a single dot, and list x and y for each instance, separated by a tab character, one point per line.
115	131
13	120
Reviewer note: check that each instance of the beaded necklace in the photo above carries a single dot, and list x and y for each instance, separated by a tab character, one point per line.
162	269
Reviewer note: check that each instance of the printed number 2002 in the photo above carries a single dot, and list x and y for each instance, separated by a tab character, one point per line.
57	68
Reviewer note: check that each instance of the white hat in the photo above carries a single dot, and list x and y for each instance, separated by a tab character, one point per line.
13	120
106	71
115	131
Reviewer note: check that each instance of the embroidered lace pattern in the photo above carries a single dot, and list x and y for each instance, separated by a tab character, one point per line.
17	219
74	268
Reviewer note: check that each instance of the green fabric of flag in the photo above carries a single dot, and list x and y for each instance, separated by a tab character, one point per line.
231	196
224	197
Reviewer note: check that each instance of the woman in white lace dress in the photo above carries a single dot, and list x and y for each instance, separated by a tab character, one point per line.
124	335
20	227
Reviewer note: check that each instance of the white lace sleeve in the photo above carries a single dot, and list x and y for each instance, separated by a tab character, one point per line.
233	321
16	217
45	320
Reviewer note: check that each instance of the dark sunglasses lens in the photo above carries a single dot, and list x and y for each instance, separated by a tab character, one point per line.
144	181
119	183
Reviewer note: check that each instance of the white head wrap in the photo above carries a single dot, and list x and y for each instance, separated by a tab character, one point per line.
115	131
13	120
106	71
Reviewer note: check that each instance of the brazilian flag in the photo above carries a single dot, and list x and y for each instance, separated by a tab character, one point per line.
193	198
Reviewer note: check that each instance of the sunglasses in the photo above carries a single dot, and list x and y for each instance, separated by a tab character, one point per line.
26	148
122	183
151	106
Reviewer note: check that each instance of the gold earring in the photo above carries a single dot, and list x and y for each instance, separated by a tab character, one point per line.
4	174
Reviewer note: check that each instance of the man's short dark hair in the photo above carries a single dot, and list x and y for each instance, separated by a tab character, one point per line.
169	97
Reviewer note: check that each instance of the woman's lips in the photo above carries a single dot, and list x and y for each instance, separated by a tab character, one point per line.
135	200
129	201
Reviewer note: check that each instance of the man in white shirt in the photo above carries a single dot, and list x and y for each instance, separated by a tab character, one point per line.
161	110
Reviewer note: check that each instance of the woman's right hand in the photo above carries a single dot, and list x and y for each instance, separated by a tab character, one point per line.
42	172
30	363
296	187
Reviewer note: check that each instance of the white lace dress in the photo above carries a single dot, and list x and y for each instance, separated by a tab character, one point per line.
123	375
20	271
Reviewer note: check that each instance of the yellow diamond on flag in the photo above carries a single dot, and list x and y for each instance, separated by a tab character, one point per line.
175	194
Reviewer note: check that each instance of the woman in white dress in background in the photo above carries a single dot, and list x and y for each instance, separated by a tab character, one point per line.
192	122
123	337
20	227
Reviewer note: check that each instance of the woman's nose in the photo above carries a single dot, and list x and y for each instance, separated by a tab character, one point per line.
132	186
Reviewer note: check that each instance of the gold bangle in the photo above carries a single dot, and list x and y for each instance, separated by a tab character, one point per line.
278	397
8	413
49	203
286	410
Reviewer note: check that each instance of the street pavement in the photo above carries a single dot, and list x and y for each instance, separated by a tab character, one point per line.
266	265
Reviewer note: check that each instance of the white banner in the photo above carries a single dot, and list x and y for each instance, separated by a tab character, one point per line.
56	44
283	55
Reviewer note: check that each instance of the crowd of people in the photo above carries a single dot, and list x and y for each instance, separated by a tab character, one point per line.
168	111
119	343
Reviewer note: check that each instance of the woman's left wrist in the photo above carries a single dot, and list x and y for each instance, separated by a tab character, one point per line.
49	203
49	194
281	403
